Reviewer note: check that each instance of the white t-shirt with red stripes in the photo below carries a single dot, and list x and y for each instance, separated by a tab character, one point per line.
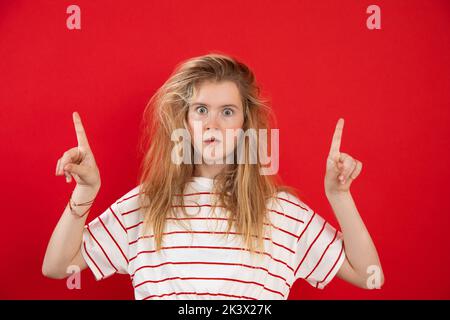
198	262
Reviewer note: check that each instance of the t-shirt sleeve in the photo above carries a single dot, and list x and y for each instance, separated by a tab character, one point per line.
105	244
320	249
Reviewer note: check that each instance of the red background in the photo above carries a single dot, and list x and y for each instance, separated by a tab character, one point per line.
315	60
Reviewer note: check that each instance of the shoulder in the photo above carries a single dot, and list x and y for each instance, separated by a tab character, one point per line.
288	213
129	199
288	202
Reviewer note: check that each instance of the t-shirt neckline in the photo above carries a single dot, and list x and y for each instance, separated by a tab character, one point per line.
203	181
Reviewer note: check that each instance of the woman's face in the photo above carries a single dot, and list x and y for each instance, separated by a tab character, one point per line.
216	107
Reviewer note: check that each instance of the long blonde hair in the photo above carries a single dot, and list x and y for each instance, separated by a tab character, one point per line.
242	190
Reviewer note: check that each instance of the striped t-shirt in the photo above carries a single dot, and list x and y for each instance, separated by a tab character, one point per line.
196	260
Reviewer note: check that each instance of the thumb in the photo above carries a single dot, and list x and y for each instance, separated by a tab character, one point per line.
76	169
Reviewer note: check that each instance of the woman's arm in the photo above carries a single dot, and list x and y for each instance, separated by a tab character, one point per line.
64	246
362	265
361	255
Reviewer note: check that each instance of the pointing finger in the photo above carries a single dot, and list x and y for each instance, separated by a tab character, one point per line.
79	129
337	136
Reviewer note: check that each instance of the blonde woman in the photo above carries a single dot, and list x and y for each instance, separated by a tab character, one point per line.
217	228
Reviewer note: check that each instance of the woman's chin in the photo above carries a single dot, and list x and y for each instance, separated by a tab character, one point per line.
213	160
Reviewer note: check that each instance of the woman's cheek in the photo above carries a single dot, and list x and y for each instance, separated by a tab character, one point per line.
231	143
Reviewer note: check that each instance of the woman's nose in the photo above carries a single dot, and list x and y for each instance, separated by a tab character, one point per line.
212	121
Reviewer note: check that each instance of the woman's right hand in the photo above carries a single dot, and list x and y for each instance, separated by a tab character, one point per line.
79	162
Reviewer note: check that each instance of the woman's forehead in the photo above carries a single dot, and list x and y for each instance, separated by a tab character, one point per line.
217	94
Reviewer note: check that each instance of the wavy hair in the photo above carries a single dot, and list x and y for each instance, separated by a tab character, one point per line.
242	191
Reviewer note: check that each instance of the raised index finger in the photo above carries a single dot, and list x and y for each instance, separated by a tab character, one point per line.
337	136
79	129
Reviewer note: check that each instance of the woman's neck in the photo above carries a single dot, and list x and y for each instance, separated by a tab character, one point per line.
208	171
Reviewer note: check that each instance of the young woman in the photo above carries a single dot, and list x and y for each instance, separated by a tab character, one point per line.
216	228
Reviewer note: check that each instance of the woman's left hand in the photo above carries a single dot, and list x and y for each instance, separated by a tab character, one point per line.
341	168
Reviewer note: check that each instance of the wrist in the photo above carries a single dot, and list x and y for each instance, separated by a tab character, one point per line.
338	195
81	200
80	209
82	193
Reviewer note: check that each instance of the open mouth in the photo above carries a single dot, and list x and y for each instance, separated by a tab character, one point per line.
211	140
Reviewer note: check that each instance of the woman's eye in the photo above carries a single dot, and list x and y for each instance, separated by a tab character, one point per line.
201	110
228	112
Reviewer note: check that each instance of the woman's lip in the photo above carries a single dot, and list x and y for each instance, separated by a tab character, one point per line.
211	141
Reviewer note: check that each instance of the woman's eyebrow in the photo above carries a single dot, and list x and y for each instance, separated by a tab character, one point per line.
205	104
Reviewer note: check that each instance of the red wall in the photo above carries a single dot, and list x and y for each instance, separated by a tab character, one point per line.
316	60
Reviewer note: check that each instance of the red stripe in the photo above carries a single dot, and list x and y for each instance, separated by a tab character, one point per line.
198	218
323	254
210	206
118	220
209	247
282	230
295	204
200	294
340	253
175	206
211	218
178	195
194	194
212	232
301	234
202	278
98	243
85	249
213	263
137	224
199	193
287	216
128	212
311	245
129	197
120	249
196	206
